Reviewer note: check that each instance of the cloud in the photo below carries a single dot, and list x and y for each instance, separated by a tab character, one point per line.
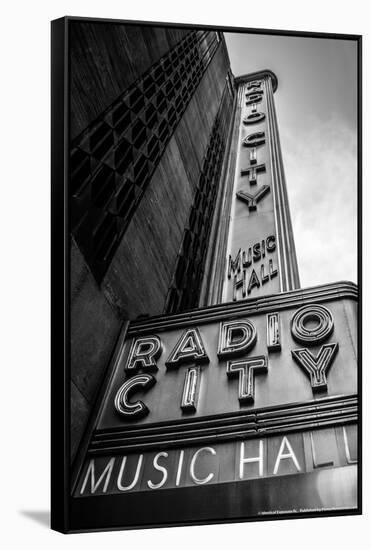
321	172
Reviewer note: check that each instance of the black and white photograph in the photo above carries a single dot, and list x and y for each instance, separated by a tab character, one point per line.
210	187
185	234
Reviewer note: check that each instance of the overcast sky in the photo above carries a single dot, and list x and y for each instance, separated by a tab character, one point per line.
316	108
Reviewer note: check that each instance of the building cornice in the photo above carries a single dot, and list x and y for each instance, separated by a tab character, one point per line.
256	76
291	417
250	306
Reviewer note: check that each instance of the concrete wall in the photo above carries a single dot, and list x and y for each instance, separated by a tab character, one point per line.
139	276
106	59
94	329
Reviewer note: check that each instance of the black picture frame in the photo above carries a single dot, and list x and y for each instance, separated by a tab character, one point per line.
211	504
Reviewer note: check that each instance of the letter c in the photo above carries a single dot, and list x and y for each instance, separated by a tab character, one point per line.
254	140
137	409
271	243
192	466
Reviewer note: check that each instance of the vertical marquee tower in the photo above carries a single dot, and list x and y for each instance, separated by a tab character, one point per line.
256	248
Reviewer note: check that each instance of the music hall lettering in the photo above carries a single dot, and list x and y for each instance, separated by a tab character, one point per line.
243	460
244	280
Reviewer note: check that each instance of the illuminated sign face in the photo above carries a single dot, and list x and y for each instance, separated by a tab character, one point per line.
252	260
227	393
222	366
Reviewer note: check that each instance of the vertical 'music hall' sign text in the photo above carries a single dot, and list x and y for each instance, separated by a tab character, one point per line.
260	252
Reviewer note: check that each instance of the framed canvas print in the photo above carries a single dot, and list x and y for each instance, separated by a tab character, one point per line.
205	281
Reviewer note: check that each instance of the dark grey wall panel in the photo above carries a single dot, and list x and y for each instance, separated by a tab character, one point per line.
138	278
80	411
141	271
106	59
94	329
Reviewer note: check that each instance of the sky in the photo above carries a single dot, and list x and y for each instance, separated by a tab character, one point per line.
316	104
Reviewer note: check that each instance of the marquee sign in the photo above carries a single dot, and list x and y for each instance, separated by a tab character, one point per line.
260	252
255	389
252	264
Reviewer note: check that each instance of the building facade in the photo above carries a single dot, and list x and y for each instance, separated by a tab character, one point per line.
150	116
201	374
